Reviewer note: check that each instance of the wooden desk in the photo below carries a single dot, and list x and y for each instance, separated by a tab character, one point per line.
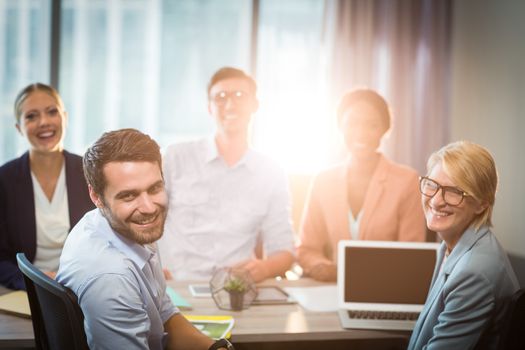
281	324
259	327
15	332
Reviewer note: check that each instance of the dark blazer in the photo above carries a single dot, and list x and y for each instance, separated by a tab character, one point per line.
17	211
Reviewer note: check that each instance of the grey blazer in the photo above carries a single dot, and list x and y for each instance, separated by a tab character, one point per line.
468	297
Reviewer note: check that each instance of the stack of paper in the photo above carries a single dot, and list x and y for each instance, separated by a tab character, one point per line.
316	299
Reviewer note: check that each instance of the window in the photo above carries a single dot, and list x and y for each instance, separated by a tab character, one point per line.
24	59
295	123
145	64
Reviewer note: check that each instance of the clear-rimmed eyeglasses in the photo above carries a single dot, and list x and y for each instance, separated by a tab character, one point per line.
451	195
237	97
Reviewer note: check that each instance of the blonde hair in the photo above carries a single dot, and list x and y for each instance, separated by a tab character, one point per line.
473	169
30	89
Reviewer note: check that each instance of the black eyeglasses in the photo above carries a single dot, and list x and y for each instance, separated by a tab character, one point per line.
237	97
451	195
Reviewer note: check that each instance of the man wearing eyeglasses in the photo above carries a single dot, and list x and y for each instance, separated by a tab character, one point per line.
225	198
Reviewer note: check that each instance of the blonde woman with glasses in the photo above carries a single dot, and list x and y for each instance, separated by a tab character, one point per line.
473	278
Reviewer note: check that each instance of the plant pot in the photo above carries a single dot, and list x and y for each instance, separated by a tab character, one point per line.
236	300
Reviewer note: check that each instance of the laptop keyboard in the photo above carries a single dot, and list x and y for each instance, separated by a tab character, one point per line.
382	315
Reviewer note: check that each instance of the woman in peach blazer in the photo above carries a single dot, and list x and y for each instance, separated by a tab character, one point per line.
368	197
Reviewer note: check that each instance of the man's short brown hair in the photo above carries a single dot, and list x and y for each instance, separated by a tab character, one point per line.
124	145
228	73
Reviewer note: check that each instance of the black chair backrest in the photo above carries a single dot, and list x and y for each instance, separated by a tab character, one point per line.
58	321
513	331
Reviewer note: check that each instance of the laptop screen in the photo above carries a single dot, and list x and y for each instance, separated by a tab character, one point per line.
386	272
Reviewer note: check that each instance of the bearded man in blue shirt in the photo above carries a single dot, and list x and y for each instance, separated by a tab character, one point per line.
110	258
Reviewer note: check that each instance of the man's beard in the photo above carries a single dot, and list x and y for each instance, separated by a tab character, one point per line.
123	227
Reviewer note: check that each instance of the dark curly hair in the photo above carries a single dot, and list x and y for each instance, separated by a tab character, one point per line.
368	96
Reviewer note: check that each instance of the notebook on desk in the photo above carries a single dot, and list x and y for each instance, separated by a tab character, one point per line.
15	303
383	285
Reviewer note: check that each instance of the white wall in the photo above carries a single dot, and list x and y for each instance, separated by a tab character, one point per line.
488	103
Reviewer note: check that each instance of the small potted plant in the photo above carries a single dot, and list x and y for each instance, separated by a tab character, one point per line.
236	287
232	288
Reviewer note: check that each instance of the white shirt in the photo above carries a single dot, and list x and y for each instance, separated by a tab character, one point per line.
354	223
218	213
52	223
119	285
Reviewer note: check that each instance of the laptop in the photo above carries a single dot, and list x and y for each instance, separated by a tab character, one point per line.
383	285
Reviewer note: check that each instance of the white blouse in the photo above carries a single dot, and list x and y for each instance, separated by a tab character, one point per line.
52	223
354	223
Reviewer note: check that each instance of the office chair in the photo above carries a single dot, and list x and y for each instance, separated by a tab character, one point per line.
57	319
512	333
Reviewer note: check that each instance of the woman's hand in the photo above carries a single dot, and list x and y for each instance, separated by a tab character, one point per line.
324	272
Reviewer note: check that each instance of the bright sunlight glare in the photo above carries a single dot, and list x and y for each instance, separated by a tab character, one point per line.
295	124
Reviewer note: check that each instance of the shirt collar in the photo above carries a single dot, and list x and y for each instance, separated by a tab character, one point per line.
210	150
211	153
250	160
465	243
139	254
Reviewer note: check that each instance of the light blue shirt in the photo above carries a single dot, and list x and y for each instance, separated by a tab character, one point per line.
217	213
468	297
119	285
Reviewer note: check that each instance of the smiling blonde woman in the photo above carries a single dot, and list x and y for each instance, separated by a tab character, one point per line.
473	279
43	193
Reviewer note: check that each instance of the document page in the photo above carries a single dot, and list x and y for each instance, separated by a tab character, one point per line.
15	303
316	299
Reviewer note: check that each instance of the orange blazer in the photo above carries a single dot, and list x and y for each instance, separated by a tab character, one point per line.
392	211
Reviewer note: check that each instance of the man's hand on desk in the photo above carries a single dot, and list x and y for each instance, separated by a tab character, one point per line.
324	272
275	264
257	268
